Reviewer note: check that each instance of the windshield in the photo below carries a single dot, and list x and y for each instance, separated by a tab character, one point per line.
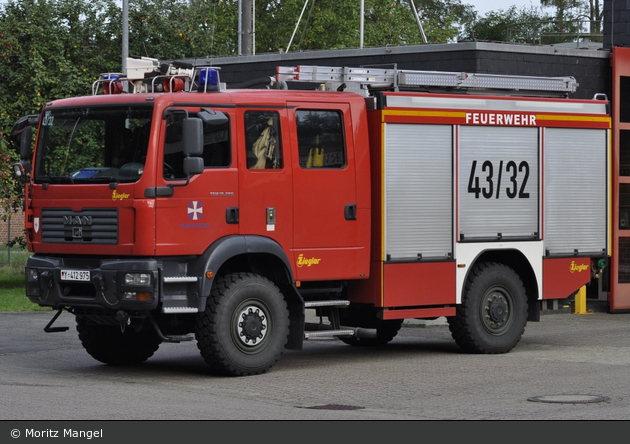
95	144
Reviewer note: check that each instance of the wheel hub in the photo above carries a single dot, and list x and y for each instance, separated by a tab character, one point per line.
498	310
252	325
497	317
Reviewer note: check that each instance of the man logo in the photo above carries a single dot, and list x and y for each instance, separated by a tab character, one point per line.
77	220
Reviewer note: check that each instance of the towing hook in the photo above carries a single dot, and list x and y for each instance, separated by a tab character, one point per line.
123	317
99	282
47	285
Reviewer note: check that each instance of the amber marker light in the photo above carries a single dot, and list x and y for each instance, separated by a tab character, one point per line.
143	296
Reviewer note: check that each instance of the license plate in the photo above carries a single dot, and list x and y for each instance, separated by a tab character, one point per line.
75	275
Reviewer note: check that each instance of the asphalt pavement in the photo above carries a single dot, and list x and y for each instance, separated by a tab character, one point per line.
566	367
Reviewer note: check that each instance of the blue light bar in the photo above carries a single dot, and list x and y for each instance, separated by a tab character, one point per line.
208	80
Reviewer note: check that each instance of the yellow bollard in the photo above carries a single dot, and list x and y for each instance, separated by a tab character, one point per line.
580	301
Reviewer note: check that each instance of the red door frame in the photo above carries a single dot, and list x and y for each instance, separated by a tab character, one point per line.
619	292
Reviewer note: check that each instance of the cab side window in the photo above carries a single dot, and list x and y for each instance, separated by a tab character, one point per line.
262	140
320	139
217	151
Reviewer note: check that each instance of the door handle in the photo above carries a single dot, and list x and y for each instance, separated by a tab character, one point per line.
350	212
231	215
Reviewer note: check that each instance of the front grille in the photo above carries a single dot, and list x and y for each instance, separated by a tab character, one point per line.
88	226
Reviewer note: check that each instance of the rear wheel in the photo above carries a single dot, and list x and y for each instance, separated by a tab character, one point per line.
493	312
110	345
245	326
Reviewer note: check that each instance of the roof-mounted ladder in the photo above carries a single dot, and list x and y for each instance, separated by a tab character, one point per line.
362	80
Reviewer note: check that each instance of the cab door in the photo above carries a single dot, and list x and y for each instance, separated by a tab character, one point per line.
265	174
325	235
194	214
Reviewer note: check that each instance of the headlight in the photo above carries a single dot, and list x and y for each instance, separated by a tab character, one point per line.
137	279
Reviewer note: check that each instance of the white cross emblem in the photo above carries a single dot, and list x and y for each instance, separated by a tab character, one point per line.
195	210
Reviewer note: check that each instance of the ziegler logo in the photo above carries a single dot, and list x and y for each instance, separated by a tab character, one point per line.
119	196
578	267
301	261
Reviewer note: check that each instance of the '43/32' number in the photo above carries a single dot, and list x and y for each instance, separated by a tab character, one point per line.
488	190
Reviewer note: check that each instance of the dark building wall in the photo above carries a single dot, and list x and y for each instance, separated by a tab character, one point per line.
589	67
616	23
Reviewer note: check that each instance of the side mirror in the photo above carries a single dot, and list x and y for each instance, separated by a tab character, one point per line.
193	165
23	122
192	128
26	140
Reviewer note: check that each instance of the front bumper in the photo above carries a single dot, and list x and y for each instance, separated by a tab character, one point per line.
113	284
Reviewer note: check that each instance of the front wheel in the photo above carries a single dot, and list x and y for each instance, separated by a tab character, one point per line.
110	345
245	326
493	312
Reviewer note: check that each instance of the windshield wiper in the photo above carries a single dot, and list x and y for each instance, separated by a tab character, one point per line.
60	179
102	179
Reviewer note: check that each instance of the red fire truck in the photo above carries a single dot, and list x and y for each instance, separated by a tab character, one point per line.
166	207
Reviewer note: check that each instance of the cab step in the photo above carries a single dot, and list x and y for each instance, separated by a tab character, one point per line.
173	304
169	338
328	333
175	279
175	299
326	303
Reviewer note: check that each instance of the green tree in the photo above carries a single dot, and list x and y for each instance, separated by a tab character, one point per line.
50	50
595	14
515	25
577	15
178	29
54	49
335	24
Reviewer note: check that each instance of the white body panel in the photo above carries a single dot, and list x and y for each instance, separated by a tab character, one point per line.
466	254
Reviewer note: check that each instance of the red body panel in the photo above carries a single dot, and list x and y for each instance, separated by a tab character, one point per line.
422	284
620	284
563	276
132	208
428	283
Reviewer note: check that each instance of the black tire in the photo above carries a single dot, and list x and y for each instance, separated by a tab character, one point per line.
366	318
492	316
245	326
108	344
